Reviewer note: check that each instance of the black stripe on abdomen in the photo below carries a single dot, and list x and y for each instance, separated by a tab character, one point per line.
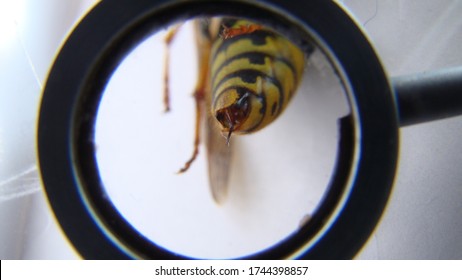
250	76
256	58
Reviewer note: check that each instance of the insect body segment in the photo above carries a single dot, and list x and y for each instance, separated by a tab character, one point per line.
230	32
253	77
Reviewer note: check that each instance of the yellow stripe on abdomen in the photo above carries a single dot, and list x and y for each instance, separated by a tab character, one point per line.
262	63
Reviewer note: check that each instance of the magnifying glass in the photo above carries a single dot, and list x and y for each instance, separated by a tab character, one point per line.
313	184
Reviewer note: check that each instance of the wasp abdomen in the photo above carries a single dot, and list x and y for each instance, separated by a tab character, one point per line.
261	69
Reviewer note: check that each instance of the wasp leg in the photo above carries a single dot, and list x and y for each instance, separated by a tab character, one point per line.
199	97
202	88
168	41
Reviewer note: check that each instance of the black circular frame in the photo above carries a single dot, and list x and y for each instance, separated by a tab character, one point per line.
368	147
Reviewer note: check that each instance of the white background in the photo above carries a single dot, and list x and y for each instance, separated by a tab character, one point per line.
422	220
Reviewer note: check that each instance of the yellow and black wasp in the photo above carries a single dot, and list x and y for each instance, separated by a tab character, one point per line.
247	76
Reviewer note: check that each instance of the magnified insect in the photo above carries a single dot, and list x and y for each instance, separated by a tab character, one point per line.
247	77
262	114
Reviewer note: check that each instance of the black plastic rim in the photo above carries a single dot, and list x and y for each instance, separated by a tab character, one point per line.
368	152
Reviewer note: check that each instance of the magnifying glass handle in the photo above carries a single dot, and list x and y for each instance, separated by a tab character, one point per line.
428	96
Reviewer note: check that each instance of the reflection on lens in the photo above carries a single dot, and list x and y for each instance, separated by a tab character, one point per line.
274	178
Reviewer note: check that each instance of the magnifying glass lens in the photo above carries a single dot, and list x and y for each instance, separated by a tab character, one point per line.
274	178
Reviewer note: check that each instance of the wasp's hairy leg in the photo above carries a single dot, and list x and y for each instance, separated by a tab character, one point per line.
171	34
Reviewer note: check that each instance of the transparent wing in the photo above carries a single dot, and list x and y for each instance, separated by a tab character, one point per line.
218	152
219	160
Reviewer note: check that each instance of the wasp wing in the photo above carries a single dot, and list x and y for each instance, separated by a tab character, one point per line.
219	160
218	153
